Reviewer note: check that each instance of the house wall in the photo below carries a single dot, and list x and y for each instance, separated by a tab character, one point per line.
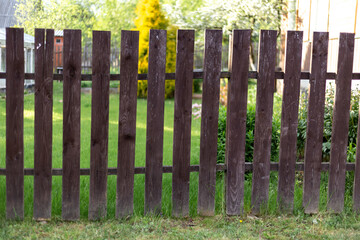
58	48
333	16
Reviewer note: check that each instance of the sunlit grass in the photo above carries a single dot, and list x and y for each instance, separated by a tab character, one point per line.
112	153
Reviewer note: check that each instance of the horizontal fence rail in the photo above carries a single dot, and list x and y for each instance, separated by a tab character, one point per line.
196	75
235	166
274	166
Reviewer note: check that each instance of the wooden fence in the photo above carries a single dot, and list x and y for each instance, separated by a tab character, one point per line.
235	166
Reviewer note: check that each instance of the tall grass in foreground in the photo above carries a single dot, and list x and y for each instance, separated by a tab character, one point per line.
139	161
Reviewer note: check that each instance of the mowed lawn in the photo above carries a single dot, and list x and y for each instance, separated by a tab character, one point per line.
112	155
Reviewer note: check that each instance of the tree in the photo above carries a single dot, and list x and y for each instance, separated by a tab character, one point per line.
115	15
56	14
150	16
230	14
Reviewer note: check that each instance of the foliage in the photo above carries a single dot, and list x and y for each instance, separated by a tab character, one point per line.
87	15
182	12
56	14
150	16
250	130
197	85
116	15
244	14
302	124
328	113
228	15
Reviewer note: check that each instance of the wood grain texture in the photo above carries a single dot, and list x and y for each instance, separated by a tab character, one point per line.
43	123
99	124
274	166
155	121
263	120
236	121
289	121
182	122
15	123
209	122
127	123
71	125
340	127
315	123
197	75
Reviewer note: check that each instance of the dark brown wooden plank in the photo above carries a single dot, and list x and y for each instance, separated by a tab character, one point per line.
71	125
155	121
209	122
182	122
127	123
236	121
99	124
263	119
340	127
43	123
315	123
274	166
15	123
170	76
289	121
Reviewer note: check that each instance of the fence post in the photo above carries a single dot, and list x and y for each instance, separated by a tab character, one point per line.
127	123
182	122
315	123
289	120
209	122
340	127
155	121
43	122
236	121
15	123
263	119
99	124
71	125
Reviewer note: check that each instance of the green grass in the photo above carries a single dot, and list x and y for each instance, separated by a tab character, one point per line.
271	225
112	155
321	226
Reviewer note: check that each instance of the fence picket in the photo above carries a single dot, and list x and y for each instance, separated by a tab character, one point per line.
99	124
155	121
15	123
71	125
235	165
315	123
182	122
43	123
236	121
263	119
127	123
209	122
340	127
289	120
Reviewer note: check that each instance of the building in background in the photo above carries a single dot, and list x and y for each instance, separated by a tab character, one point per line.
7	11
333	16
58	49
7	19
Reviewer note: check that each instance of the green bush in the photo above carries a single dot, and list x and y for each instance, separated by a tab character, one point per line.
328	113
250	127
197	85
302	124
143	89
